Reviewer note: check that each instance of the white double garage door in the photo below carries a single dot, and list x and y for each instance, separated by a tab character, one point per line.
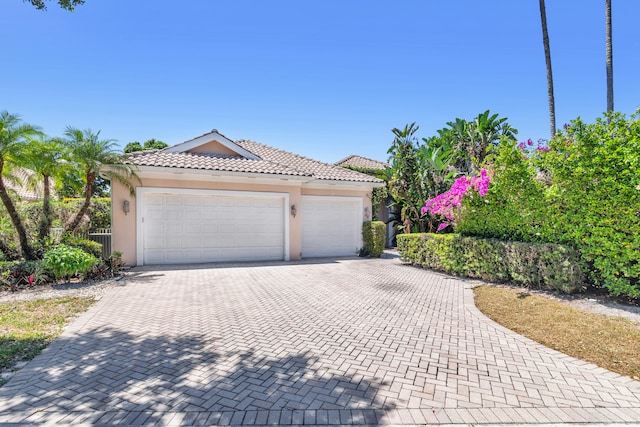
197	226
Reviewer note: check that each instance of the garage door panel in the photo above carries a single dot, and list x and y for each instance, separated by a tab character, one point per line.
180	228
331	226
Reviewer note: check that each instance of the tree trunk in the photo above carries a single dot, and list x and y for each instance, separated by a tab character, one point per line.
73	224
45	220
609	56
547	57
27	251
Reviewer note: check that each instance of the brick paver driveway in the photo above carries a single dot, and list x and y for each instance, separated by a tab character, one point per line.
348	341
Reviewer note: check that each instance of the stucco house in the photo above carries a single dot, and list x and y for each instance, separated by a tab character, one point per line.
386	212
213	199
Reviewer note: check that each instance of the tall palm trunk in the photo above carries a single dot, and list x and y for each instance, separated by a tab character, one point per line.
45	220
547	57
27	251
75	222
609	56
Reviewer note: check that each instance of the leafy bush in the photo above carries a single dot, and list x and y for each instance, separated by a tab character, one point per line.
595	195
536	265
99	216
66	261
582	191
373	237
22	274
514	208
89	246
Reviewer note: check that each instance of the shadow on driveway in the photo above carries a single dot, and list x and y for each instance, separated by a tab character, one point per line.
114	377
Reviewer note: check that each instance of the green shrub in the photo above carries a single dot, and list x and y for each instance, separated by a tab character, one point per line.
595	192
583	192
514	208
65	261
99	215
536	265
374	237
89	246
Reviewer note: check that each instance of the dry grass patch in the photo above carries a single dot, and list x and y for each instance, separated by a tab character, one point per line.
609	342
29	326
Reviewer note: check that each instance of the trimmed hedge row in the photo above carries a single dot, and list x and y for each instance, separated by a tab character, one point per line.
374	237
535	265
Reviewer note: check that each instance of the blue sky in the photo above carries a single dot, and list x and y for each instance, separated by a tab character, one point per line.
320	78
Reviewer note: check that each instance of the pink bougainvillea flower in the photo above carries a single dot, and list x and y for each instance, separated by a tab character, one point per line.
442	226
529	141
448	202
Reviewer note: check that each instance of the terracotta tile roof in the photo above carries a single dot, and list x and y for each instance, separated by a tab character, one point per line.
271	161
362	163
217	162
318	170
21	189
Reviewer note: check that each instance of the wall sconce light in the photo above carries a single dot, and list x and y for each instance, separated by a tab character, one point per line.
367	213
294	211
126	207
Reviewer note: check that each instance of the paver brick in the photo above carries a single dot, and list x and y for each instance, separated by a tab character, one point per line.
350	341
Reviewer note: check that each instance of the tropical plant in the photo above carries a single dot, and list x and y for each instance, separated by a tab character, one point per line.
92	156
13	137
46	157
547	58
405	177
472	141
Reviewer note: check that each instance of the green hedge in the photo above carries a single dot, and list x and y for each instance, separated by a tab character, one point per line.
535	265
374	237
582	191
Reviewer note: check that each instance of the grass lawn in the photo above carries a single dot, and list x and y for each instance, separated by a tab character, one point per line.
28	327
609	342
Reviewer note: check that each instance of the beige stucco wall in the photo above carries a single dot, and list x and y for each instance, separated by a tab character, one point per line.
124	226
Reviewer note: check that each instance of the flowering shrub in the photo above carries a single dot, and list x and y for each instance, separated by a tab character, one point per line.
582	190
528	146
514	208
447	203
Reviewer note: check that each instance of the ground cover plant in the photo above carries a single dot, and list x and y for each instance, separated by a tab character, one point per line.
28	327
609	342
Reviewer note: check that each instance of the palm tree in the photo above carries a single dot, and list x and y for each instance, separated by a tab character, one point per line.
609	49
547	57
92	155
45	156
13	137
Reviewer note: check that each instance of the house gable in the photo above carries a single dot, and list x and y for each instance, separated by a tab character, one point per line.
212	143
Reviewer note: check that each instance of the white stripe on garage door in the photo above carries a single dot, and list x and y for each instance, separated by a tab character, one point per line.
197	227
331	226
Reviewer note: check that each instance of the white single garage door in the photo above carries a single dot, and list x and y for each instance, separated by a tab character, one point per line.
197	227
331	226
